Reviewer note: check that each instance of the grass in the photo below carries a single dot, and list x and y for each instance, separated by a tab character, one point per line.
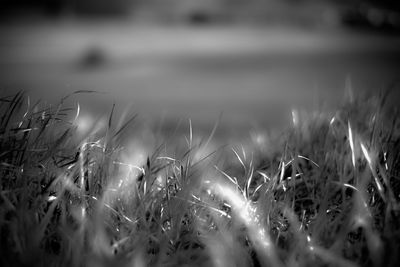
323	192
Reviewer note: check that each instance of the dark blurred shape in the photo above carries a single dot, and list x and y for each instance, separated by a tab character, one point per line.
199	17
22	7
377	15
103	7
62	7
359	14
94	57
54	7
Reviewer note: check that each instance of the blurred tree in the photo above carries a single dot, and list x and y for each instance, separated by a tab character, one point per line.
57	7
103	7
307	12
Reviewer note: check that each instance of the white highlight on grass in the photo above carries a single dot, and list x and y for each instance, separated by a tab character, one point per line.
166	158
310	246
310	160
121	187
366	155
332	120
121	181
248	215
135	154
133	158
370	164
159	182
264	176
282	173
196	197
25	114
243	152
295	117
131	167
127	218
236	200
385	159
51	198
238	157
353	157
78	109
226	175
82	166
350	186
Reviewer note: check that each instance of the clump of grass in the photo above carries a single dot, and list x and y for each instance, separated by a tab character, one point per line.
325	192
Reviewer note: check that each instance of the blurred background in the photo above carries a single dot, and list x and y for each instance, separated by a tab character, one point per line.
252	60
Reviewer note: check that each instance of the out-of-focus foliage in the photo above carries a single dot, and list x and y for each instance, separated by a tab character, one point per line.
359	13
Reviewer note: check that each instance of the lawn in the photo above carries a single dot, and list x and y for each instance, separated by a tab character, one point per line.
323	191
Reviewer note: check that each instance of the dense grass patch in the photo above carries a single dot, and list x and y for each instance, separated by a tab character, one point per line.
323	192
